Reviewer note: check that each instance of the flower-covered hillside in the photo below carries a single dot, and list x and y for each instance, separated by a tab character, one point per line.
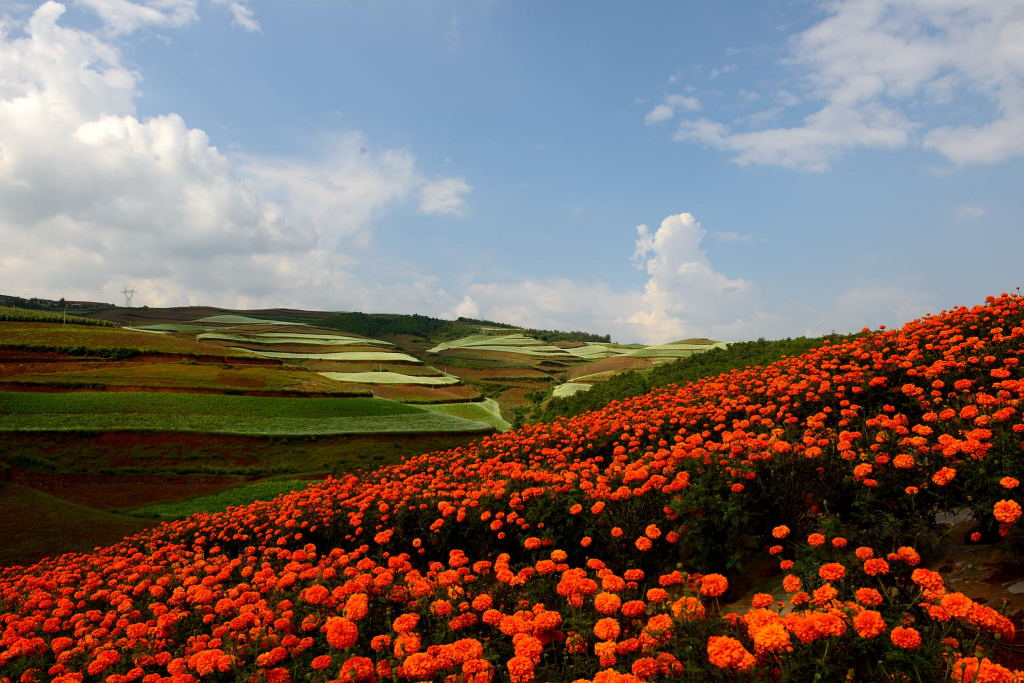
596	548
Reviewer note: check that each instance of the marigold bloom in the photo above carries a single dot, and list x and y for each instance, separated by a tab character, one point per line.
341	633
729	653
868	597
688	608
780	531
791	583
1009	483
713	585
762	600
405	623
607	603
974	670
607	629
869	624
944	476
643	544
875	566
357	669
833	571
634	608
816	539
906	638
1007	511
771	638
957	604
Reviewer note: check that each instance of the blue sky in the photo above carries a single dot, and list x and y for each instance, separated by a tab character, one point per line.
650	170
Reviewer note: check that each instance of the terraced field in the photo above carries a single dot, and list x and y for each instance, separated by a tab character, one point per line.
240	415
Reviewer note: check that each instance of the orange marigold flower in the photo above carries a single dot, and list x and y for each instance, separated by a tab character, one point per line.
906	638
838	542
341	633
520	669
688	608
652	531
357	669
869	624
944	476
1007	511
634	608
903	461
617	532
646	667
864	553
833	571
908	555
405	623
1009	483
762	600
729	653
713	585
780	531
972	669
531	543
320	663
607	603
875	566
957	604
868	596
643	544
771	638
418	665
927	579
791	583
816	539
607	629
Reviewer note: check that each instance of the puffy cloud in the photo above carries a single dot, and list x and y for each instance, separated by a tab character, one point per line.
669	106
125	16
871	63
112	199
683	296
241	14
444	197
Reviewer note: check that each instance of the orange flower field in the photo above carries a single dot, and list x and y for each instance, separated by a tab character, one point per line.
598	548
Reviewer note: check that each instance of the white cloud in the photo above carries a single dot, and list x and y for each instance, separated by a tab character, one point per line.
733	237
971	211
111	199
872	64
241	14
683	296
444	197
125	16
669	106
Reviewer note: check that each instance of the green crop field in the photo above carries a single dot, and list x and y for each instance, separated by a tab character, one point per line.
390	378
81	339
228	319
237	415
205	377
376	356
217	502
569	389
487	411
274	338
10	314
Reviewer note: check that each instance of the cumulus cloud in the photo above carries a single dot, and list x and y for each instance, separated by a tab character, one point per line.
241	14
669	106
683	295
112	199
872	64
444	197
125	16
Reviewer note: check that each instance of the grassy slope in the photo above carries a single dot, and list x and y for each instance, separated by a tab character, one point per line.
244	415
56	526
191	376
60	337
216	502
